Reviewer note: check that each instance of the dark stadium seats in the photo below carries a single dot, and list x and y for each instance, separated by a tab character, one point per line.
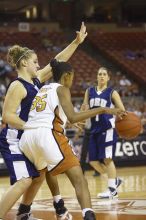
125	49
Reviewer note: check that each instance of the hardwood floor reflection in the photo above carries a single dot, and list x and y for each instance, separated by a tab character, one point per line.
130	205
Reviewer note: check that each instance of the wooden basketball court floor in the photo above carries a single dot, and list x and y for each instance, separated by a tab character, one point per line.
131	204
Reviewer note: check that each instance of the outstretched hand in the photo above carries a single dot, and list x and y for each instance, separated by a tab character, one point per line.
119	113
82	34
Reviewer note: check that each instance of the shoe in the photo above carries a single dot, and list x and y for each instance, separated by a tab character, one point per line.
65	216
61	211
118	182
26	216
111	193
89	215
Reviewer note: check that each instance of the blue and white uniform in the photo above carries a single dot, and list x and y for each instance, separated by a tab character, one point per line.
103	135
18	165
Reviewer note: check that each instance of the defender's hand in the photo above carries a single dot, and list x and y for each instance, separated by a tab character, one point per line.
82	34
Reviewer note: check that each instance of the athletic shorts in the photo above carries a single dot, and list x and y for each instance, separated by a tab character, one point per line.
102	145
18	165
48	148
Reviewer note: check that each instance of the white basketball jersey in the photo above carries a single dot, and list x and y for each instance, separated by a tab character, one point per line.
46	110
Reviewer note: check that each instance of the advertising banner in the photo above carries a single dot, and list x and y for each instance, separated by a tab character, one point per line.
127	152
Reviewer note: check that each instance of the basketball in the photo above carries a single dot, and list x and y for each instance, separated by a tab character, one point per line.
129	126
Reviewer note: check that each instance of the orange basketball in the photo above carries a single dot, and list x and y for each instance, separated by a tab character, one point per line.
129	126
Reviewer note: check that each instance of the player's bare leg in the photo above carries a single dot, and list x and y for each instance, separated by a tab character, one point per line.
99	167
61	211
13	194
28	197
113	181
79	182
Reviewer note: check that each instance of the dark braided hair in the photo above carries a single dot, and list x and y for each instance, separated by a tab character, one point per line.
59	68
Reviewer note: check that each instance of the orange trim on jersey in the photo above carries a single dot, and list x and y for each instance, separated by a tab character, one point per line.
57	122
69	158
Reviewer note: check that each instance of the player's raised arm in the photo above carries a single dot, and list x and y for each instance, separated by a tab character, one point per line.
46	73
70	49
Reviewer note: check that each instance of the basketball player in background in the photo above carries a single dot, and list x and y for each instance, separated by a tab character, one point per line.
44	141
15	113
103	136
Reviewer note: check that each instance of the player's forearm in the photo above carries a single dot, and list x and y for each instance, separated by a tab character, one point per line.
68	51
120	106
80	116
13	120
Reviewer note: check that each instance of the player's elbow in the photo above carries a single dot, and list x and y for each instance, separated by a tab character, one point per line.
4	117
71	119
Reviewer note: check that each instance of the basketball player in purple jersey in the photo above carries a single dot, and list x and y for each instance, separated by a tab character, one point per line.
103	136
15	113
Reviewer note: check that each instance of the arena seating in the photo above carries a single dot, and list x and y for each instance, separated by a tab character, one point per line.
112	44
126	49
